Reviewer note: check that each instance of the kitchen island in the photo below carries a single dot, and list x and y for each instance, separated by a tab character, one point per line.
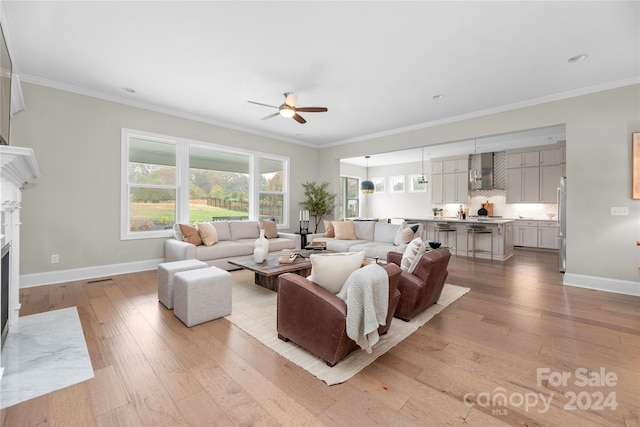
457	242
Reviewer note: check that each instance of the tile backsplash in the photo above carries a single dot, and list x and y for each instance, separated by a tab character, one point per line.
501	208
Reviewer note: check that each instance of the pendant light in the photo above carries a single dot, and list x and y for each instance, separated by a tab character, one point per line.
474	174
367	187
422	179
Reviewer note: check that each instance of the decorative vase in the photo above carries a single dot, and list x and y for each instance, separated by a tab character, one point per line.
261	248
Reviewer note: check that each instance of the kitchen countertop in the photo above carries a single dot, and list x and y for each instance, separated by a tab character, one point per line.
464	221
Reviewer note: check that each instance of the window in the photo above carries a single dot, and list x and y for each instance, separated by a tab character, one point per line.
348	201
378	184
170	180
151	186
396	184
218	185
272	186
417	183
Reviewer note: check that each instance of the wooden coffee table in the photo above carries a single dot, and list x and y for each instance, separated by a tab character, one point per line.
267	272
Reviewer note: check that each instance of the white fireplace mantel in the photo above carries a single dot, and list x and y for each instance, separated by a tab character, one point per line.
18	167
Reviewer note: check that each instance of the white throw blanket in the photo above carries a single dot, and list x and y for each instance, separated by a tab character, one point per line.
366	293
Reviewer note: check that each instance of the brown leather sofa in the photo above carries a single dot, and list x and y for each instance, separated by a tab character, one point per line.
421	288
315	319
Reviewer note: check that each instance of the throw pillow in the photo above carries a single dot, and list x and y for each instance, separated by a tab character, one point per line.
208	233
329	231
403	236
190	234
177	234
344	230
331	270
270	228
412	254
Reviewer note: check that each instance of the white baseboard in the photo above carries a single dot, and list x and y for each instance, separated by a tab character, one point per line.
617	286
61	276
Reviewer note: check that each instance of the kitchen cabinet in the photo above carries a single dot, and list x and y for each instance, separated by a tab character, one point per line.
523	185
456	188
456	165
549	182
450	181
508	238
552	157
525	233
519	160
548	234
437	188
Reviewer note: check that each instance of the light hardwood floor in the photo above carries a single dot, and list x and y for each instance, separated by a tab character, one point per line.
151	370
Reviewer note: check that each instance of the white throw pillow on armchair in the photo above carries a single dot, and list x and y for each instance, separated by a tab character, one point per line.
331	270
411	254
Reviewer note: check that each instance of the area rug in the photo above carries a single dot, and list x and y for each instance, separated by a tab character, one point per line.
43	353
254	311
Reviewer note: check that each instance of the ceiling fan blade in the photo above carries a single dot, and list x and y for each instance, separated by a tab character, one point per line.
312	109
298	118
260	103
270	116
290	99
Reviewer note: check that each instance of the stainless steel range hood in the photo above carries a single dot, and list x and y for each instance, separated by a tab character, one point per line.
485	164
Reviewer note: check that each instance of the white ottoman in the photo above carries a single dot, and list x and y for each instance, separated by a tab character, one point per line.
166	273
202	295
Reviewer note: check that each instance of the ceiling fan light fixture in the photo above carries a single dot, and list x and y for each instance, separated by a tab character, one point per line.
286	111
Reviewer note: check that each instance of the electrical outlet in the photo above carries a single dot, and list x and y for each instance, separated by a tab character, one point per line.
55	258
624	210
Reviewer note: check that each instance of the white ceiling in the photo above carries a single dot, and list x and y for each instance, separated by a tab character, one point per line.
374	65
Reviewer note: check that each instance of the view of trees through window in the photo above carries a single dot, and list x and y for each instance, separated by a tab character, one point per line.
219	185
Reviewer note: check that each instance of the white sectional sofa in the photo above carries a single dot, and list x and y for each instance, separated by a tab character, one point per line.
235	239
376	239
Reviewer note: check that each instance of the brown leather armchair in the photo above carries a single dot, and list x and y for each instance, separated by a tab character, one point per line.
315	319
422	287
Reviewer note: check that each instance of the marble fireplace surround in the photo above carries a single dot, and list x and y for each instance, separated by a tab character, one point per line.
18	167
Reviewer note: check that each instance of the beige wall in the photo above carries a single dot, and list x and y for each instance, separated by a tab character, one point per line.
74	208
599	128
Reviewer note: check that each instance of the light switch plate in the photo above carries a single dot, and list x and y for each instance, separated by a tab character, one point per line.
624	210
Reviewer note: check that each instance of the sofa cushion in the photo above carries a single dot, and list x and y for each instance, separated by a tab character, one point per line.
224	249
331	270
385	233
376	249
364	229
329	231
222	228
404	235
208	233
244	229
412	254
190	234
270	228
344	230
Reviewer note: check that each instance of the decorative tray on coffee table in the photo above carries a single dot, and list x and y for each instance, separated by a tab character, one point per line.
317	246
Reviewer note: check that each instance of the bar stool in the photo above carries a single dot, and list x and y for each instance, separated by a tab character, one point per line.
445	227
473	230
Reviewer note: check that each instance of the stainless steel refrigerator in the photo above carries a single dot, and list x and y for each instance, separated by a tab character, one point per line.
562	223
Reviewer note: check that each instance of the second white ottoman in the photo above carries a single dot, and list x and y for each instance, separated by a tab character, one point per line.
166	273
202	295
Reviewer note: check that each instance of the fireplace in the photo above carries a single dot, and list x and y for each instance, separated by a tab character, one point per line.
4	291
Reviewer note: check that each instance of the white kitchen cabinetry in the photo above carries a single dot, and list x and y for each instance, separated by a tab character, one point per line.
525	233
548	234
437	188
520	160
450	181
549	182
456	165
456	188
523	185
552	157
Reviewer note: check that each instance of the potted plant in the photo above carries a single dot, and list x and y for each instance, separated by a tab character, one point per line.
319	202
436	211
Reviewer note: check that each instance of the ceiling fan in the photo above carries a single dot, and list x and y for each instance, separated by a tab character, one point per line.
289	109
